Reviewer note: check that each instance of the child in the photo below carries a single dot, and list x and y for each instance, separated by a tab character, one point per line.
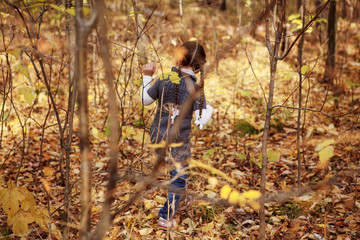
172	91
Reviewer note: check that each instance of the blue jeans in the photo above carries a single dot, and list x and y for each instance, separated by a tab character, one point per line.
176	190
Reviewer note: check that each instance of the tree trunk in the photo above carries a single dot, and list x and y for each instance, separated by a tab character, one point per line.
318	4
300	60
69	119
273	52
83	28
330	61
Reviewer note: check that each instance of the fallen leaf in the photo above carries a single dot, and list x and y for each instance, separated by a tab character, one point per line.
325	155
145	231
225	192
208	227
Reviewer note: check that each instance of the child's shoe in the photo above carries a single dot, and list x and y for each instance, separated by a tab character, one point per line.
163	223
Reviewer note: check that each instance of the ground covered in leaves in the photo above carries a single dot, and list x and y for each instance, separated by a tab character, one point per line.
230	143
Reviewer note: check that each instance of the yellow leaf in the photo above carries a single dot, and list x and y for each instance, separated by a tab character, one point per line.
19	222
174	77
42	217
127	131
213	181
273	156
234	196
2	181
95	209
148	204
16	52
252	194
208	227
194	163
254	204
28	94
46	185
29	201
71	11
348	148
325	155
150	216
325	143
159	199
48	171
162	144
10	199
225	192
145	231
59	8
242	200
98	134
22	69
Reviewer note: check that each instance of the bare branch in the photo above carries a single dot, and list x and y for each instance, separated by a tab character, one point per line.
252	69
302	32
318	111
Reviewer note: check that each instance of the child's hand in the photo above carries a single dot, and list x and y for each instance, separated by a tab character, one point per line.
205	117
149	69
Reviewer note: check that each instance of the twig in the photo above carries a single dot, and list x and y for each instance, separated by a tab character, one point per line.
302	32
252	69
319	111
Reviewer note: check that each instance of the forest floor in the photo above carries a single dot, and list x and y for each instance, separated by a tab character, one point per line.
231	143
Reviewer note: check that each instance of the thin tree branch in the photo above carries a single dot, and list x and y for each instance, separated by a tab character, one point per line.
302	32
318	111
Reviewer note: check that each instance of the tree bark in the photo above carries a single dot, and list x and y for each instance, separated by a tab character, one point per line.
83	29
105	217
273	65
300	60
330	61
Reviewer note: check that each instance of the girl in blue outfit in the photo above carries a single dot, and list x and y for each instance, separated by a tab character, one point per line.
171	91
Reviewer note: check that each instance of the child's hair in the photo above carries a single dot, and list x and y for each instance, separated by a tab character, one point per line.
192	54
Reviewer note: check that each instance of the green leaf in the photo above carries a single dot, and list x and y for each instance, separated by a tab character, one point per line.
294	16
71	11
305	69
36	5
86	10
309	30
28	94
132	14
15	52
352	83
107	131
273	156
61	9
22	69
241	156
245	93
